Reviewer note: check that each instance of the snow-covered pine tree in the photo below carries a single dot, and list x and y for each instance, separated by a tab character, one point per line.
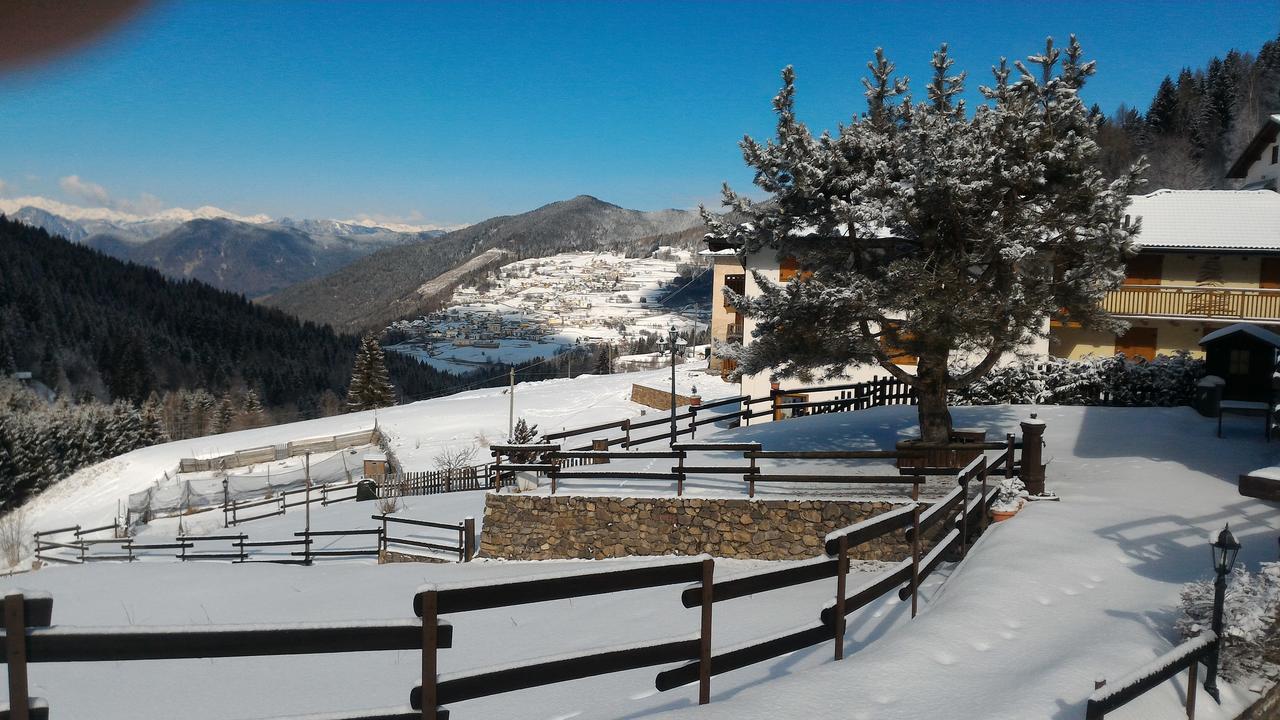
223	415
251	414
949	235
524	434
604	363
370	383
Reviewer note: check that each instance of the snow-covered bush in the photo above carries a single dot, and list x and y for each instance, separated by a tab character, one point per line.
1166	381
1012	494
1249	627
13	535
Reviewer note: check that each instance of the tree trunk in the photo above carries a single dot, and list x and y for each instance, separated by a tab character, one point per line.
931	393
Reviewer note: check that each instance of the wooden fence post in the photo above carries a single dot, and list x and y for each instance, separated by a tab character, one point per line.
15	628
751	479
776	395
1009	453
626	429
842	573
468	539
555	470
1191	690
680	474
915	555
600	444
704	645
430	630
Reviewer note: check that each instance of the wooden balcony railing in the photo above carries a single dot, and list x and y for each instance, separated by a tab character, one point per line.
1189	301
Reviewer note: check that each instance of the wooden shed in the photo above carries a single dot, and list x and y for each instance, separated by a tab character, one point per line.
375	465
1244	355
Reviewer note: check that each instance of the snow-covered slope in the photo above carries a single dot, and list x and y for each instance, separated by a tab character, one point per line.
1043	604
416	432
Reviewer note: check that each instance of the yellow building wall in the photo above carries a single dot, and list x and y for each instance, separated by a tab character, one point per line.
721	318
1238	271
1171	336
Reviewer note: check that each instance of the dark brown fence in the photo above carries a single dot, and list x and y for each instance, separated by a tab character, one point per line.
431	482
956	520
465	547
1187	656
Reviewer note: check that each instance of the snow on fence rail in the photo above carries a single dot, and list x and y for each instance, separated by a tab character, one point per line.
550	460
240	549
1187	656
269	453
31	618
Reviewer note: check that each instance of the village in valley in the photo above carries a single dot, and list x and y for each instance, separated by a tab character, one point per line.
961	400
541	307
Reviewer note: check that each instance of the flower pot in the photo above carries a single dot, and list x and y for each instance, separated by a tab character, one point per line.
1002	515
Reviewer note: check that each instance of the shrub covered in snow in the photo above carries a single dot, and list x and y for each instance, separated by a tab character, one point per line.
1013	493
1166	381
1249	627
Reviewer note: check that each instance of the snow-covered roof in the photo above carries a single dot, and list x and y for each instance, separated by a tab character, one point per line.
726	252
1265	336
1208	219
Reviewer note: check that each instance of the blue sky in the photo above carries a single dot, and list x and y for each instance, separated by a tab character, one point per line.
454	112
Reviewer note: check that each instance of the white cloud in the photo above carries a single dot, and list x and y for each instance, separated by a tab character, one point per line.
86	191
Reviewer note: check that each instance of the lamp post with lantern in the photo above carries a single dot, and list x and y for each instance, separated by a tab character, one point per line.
1225	548
673	342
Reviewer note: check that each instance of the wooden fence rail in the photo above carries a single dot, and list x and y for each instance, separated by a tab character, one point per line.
1110	697
31	618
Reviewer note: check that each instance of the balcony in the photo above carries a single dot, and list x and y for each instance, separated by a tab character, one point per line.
1194	303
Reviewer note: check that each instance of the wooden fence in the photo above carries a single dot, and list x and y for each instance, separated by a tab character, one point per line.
126	549
779	404
956	519
277	504
269	453
466	547
406	484
1187	656
550	460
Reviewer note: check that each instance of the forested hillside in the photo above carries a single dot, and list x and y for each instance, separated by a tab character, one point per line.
393	283
1197	122
90	326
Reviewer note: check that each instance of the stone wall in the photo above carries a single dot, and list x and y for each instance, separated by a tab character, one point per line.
655	398
551	527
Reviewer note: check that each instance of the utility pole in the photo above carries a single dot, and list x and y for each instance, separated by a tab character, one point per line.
511	406
307	505
672	337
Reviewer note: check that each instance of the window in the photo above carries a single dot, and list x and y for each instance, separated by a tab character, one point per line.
1275	154
787	269
1238	363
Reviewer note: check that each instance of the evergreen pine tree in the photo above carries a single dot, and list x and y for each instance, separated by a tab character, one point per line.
252	413
604	364
978	230
224	415
370	383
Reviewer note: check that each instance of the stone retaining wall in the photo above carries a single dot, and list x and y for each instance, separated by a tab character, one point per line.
542	527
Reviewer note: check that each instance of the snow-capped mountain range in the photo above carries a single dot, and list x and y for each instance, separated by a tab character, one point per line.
252	254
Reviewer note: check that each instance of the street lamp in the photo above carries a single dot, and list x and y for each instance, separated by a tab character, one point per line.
1225	548
674	341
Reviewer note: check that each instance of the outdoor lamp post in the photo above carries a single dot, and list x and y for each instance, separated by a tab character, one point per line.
1225	548
674	342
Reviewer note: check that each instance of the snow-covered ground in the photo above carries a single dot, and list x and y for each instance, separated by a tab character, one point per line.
1044	603
417	433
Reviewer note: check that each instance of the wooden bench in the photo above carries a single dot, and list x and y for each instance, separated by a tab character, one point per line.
1244	407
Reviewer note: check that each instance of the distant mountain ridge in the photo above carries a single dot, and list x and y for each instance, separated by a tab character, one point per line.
254	256
395	282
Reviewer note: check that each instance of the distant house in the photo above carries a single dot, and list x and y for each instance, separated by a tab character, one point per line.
1206	259
1259	165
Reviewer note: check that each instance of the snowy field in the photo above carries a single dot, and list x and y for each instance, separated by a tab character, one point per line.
417	433
1044	603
